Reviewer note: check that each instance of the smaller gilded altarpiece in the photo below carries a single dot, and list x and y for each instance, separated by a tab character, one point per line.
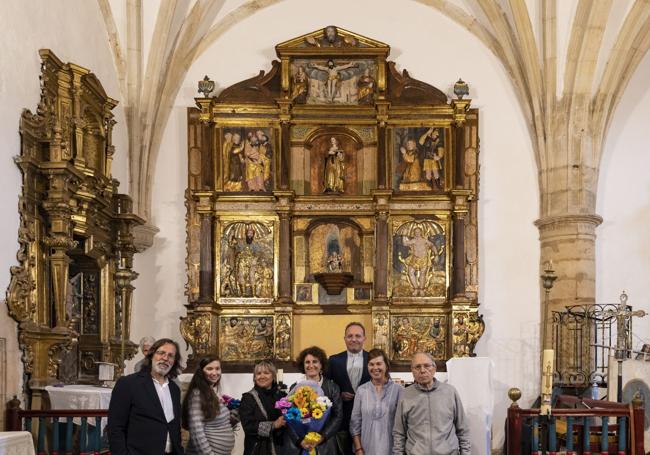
71	291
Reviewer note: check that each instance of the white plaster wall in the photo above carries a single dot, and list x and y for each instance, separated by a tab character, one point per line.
421	41
622	245
75	32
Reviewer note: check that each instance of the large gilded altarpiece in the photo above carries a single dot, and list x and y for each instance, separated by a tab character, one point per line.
333	184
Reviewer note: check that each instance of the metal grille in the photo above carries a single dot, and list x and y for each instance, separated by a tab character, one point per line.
583	336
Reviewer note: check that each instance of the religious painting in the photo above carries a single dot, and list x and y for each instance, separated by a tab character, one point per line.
247	159
335	247
418	258
304	293
333	164
419	159
245	337
246	251
340	81
362	292
411	334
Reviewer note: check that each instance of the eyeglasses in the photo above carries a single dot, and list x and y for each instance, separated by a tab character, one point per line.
165	354
422	366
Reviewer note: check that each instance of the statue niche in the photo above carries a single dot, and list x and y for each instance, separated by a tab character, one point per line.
333	162
334	254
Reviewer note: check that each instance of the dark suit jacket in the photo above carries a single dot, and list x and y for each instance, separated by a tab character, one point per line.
136	420
338	372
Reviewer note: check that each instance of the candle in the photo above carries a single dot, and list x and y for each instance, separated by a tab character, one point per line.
280	375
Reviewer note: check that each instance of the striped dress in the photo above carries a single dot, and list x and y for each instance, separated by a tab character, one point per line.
211	437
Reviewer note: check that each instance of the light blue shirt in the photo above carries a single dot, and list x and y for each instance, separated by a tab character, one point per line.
373	415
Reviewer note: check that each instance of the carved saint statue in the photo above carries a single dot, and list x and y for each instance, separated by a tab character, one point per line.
365	87
434	153
334	168
419	262
300	86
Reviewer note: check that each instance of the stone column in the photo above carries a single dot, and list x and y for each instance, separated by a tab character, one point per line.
569	242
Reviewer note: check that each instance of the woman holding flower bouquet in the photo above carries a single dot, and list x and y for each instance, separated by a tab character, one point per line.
375	403
263	423
312	362
205	413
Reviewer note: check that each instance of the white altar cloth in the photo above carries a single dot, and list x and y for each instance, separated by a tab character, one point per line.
80	397
16	443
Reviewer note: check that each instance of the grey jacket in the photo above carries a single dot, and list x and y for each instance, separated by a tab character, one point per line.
430	422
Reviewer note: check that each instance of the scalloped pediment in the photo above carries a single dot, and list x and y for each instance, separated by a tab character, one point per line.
331	37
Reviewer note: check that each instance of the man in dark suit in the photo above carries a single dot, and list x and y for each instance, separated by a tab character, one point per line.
144	416
349	370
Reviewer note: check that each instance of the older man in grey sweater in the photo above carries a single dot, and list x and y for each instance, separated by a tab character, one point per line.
430	419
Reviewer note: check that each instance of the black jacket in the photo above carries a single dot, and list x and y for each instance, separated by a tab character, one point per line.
136	420
332	426
337	371
258	423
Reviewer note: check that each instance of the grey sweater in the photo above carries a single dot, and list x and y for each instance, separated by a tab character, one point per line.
430	422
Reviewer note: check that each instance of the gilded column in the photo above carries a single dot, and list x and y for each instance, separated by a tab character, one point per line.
382	155
285	201
285	145
206	260
382	198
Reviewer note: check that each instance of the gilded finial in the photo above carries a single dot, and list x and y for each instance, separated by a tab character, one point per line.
206	86
461	89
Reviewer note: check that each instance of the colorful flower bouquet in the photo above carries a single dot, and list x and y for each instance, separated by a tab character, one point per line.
233	406
230	402
306	409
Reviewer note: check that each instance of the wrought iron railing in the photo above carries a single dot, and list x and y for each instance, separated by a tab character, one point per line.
583	336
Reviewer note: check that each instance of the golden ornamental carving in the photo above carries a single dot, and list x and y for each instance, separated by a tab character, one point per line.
283	337
71	289
196	330
467	328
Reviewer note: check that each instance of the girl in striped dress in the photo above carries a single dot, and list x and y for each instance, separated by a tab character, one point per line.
204	413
